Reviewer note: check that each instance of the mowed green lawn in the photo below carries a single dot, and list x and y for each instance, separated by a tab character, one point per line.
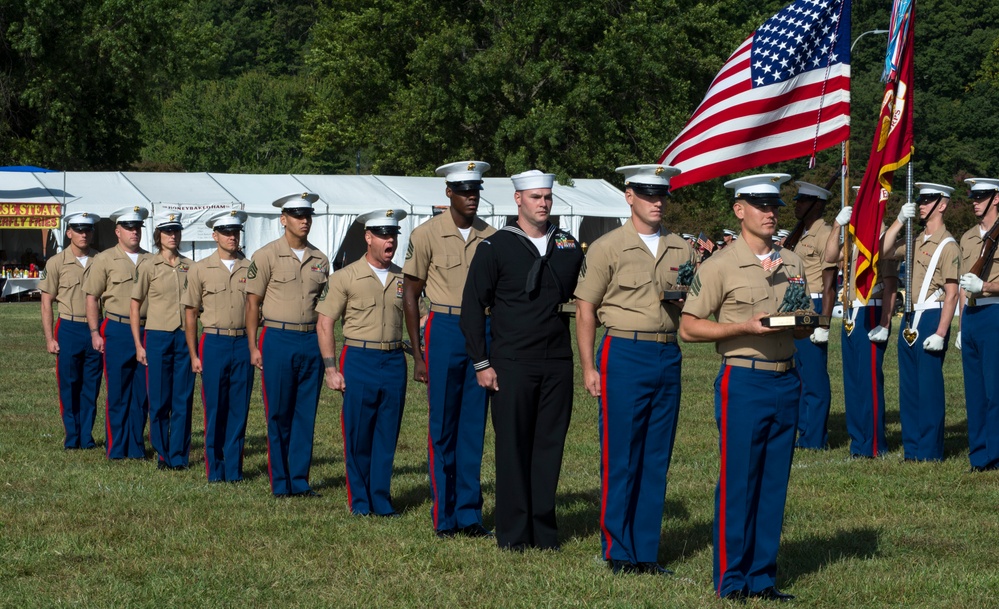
76	529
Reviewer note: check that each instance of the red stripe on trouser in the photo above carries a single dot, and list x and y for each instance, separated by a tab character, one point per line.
723	432
263	390
430	437
343	433
605	446
58	386
204	403
107	392
874	390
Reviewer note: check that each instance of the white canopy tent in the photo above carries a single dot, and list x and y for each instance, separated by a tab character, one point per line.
590	207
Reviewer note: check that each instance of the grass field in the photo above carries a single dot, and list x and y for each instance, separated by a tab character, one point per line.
76	529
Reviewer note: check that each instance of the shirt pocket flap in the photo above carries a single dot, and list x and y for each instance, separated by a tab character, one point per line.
749	296
283	276
215	288
634	280
68	280
361	304
447	262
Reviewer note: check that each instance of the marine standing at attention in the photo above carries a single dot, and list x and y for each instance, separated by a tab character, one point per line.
283	283
637	371
437	261
78	365
757	389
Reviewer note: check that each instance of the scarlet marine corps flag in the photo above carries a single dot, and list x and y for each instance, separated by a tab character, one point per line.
892	147
783	94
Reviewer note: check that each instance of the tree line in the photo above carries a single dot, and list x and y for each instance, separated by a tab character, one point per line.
401	86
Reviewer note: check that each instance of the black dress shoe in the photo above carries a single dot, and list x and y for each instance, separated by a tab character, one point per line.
622	566
309	493
447	533
162	465
653	568
517	548
773	594
390	515
475	530
737	596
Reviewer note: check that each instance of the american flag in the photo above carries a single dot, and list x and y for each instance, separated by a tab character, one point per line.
784	93
706	244
772	261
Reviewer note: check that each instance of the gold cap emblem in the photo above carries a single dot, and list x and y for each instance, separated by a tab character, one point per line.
136	209
232	213
172	217
471	166
86	215
389	213
775	180
659	170
305	195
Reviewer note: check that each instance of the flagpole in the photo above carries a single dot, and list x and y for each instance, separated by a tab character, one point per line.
909	246
845	237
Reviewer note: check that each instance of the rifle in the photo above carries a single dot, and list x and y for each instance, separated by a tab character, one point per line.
990	243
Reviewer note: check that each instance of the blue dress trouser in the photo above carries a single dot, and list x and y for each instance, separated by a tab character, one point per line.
980	356
864	385
291	382
373	402
456	427
127	405
812	361
226	383
639	404
921	392
170	383
757	413
78	374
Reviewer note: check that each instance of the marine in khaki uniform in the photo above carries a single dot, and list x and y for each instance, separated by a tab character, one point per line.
440	252
78	365
108	285
979	336
371	371
936	268
637	371
162	348
283	283
757	389
217	285
865	333
812	355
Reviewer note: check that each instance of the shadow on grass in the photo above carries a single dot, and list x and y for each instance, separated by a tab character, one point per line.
800	558
838	436
412	497
955	435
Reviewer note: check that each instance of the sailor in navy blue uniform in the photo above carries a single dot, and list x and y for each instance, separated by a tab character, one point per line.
78	365
524	272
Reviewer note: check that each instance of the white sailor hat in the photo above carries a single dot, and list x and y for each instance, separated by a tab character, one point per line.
648	179
761	189
982	188
132	216
530	180
806	189
783	233
930	192
81	219
687	236
729	232
382	221
234	218
168	220
463	175
298	204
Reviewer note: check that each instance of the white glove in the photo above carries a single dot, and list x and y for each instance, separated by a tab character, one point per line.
820	336
908	211
878	335
971	283
957	343
843	217
933	342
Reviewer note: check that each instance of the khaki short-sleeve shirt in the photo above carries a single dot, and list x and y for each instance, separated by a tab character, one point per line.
810	249
624	280
221	293
948	264
370	311
63	279
110	277
732	286
439	255
161	285
289	287
972	243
